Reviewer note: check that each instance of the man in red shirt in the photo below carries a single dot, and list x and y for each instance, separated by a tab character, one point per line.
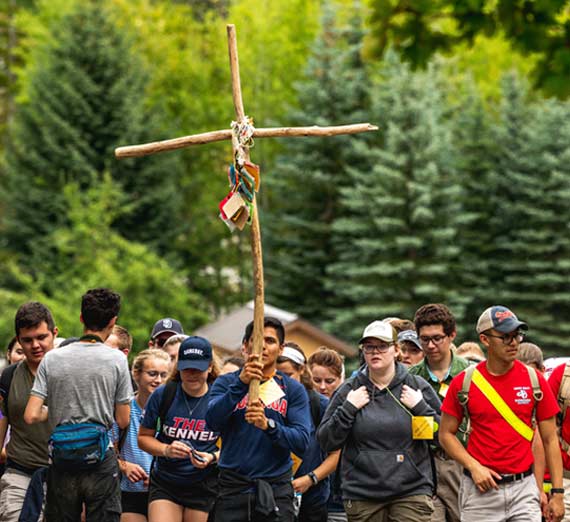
498	484
555	382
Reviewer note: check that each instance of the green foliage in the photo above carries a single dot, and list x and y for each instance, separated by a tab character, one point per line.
418	28
83	100
87	253
528	186
397	235
305	184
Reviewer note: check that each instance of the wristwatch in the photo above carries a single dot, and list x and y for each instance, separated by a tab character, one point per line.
271	424
557	490
313	477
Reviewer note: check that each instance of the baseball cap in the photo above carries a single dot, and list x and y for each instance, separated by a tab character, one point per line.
379	330
499	318
194	353
166	325
411	337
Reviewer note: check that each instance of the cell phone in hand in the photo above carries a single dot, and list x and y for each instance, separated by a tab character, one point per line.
199	458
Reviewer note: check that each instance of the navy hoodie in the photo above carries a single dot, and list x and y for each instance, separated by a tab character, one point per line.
380	460
248	450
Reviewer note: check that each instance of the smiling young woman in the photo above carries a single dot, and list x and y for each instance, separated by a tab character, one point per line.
150	370
183	482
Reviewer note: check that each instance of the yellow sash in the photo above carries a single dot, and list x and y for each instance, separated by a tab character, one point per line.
502	407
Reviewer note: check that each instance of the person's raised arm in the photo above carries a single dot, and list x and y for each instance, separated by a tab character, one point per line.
227	391
295	434
338	419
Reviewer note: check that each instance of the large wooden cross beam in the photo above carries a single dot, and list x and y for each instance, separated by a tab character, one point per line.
209	137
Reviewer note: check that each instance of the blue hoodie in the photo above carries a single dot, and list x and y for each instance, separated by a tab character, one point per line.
248	450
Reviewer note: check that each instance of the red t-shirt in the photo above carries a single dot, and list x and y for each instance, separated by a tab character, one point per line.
554	381
493	441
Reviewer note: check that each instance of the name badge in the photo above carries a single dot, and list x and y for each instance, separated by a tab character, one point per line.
443	389
423	428
269	392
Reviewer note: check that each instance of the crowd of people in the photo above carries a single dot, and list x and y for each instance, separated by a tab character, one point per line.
422	430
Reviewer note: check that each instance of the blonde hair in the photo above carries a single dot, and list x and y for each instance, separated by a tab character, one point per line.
145	355
173	340
470	348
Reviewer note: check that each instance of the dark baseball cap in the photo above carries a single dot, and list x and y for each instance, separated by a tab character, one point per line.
499	318
166	325
411	337
194	353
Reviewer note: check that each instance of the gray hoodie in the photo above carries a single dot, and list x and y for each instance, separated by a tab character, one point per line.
380	460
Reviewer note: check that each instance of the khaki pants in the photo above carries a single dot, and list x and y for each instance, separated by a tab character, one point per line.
13	487
446	501
517	501
406	509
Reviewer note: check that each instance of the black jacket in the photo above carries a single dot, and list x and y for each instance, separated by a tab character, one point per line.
380	460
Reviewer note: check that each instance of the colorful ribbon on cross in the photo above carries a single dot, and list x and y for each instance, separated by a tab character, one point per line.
237	207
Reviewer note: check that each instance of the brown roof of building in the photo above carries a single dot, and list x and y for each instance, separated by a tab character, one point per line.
226	333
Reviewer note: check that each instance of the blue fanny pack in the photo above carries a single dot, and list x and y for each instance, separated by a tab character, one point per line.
78	446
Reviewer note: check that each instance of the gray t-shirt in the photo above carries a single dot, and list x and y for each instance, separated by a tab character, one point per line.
28	444
82	382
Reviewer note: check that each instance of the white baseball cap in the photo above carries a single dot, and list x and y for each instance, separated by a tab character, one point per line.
381	330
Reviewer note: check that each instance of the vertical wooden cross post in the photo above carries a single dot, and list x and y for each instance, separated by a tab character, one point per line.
209	137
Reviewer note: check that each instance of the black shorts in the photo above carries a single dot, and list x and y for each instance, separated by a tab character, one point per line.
200	495
135	502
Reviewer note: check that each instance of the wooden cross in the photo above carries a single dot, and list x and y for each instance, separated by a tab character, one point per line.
219	135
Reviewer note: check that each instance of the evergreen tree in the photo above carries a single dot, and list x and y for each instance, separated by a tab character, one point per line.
475	153
306	181
88	253
85	97
397	236
529	266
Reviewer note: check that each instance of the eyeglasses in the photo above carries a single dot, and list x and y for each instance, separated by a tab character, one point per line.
153	374
508	338
435	339
380	348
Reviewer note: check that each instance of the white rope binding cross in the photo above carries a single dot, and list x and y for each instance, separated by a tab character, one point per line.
242	137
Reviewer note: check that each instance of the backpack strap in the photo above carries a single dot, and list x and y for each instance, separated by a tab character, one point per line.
167	399
6	383
564	403
537	393
564	392
463	396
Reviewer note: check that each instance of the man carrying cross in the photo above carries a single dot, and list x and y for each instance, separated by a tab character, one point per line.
259	437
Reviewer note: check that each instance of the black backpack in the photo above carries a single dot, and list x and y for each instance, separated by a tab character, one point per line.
5	383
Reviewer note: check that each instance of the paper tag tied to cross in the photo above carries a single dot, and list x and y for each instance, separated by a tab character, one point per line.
244	178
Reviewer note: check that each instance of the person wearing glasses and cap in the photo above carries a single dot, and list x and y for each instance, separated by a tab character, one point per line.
163	330
383	419
436	329
502	401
